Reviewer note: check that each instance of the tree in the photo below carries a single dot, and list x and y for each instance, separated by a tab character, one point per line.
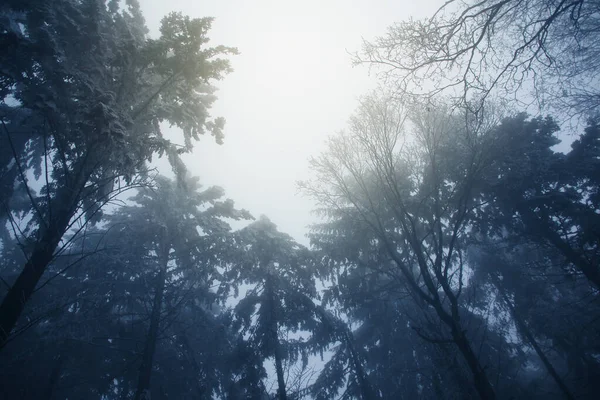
549	197
412	197
389	330
346	367
142	303
538	235
525	332
89	92
549	313
547	50
185	229
280	301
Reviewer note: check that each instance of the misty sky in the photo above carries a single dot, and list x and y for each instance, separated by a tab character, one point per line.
293	85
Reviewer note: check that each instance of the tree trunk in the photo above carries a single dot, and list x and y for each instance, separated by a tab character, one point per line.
13	304
200	387
58	214
482	384
54	376
143	387
10	145
539	227
524	330
281	391
365	389
452	320
20	292
436	384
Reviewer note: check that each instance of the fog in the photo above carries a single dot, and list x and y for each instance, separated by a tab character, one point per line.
293	85
457	246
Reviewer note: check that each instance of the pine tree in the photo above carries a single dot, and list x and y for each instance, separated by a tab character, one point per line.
405	183
280	302
83	108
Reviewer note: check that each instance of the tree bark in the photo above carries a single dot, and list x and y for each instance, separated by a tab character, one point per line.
20	292
54	376
524	330
145	374
482	384
58	214
365	388
539	227
281	391
452	320
200	388
9	146
13	304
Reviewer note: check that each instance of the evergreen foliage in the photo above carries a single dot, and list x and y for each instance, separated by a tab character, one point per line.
455	256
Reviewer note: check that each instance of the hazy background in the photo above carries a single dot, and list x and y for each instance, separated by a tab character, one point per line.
293	85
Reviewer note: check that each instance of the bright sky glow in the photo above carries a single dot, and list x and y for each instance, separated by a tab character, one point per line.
293	85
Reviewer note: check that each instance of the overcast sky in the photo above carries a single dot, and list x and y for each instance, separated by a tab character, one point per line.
293	85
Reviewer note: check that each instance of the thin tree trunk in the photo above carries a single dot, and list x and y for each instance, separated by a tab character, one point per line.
9	146
437	388
59	215
13	304
124	390
524	330
279	368
143	387
365	389
20	292
482	384
54	376
281	392
539	227
200	388
590	271
450	319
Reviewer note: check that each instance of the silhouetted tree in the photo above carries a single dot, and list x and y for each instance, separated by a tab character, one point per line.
280	302
89	93
410	194
542	52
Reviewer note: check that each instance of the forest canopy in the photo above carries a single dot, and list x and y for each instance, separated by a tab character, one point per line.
454	255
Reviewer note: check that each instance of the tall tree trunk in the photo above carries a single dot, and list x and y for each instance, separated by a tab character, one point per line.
450	318
143	387
436	385
482	384
524	330
61	212
14	302
10	145
54	376
365	388
540	227
281	391
200	387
